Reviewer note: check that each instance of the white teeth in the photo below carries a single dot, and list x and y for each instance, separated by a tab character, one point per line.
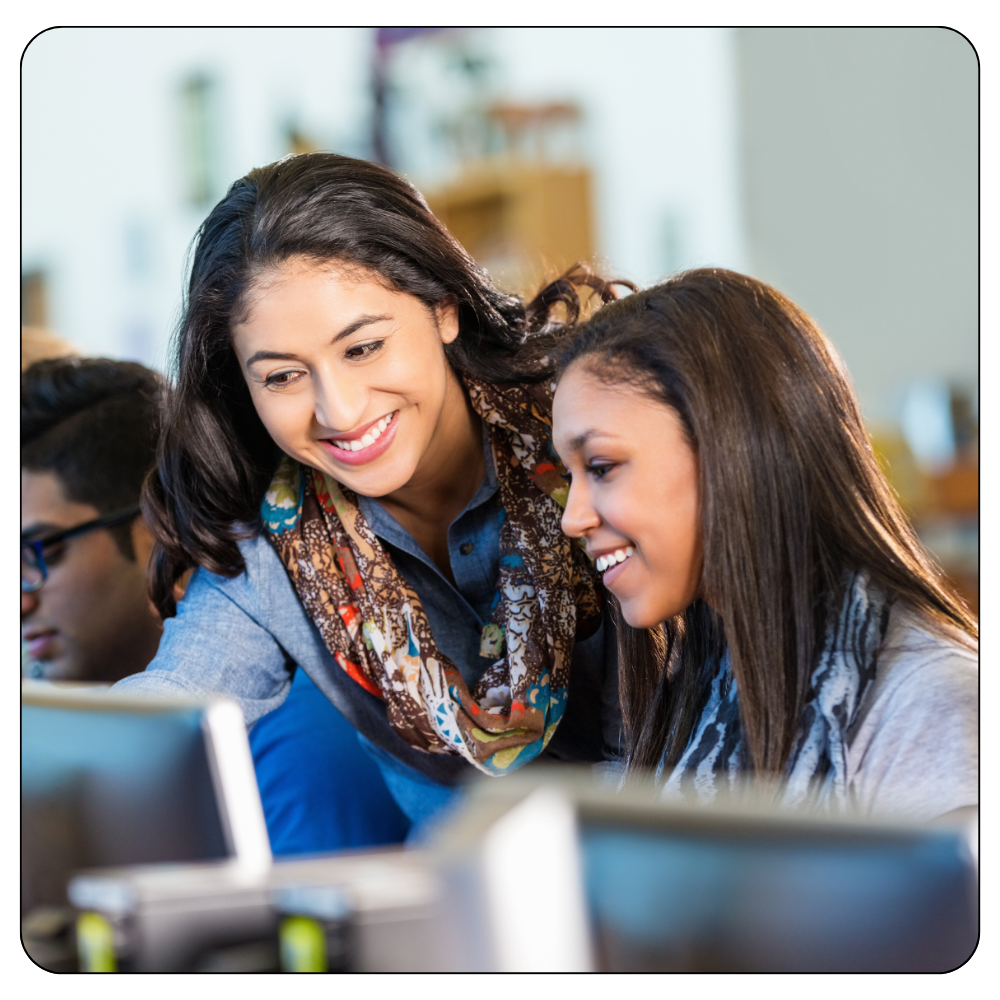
370	437
613	558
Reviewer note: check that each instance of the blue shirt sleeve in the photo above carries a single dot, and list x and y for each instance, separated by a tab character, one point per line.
214	643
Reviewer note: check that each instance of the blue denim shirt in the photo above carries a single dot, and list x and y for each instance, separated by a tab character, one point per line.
456	613
245	636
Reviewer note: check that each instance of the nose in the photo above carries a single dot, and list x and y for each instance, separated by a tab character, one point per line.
579	517
29	603
340	402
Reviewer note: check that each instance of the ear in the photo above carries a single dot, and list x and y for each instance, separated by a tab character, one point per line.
446	315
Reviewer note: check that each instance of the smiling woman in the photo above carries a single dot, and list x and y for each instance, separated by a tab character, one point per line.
357	459
779	615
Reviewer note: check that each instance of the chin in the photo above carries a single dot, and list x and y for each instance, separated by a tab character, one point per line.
639	613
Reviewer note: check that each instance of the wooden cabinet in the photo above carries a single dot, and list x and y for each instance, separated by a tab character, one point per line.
522	221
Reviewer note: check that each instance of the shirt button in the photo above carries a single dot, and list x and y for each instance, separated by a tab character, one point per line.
466	548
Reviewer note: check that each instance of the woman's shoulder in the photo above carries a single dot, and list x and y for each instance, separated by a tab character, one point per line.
920	662
913	748
262	585
914	644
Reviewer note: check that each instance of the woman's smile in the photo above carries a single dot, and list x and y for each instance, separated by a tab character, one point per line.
364	445
612	563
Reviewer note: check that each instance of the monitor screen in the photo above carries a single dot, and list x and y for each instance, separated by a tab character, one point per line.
112	782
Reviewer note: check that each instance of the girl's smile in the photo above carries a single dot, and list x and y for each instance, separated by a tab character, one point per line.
366	443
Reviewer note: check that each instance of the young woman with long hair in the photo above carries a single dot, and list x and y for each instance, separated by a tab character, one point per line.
357	460
780	617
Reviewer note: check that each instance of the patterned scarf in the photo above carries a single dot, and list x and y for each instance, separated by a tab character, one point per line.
816	773
373	623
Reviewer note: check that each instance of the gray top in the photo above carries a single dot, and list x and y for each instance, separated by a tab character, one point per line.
244	636
913	751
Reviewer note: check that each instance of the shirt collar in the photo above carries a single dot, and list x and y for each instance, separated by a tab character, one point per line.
390	530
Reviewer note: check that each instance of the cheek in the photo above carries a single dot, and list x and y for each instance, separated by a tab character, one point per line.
79	587
287	419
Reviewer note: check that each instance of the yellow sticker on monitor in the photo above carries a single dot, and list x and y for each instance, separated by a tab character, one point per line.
303	945
95	943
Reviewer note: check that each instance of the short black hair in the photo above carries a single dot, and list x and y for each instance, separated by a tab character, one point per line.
94	422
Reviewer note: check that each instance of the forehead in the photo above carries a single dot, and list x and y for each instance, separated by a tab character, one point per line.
303	293
587	409
44	502
583	403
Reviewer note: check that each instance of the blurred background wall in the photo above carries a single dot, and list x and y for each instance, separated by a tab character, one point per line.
840	165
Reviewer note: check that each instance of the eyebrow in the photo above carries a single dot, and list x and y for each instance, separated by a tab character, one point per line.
580	440
360	322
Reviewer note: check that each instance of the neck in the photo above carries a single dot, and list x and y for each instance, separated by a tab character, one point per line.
449	472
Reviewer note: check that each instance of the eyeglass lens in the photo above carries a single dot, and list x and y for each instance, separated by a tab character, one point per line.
32	568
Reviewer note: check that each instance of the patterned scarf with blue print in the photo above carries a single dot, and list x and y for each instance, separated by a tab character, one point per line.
373	623
715	758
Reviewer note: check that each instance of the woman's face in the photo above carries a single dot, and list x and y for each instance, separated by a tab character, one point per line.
347	376
634	493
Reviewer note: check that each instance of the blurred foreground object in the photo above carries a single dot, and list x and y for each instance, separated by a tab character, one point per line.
110	779
615	881
216	917
38	344
696	889
524	210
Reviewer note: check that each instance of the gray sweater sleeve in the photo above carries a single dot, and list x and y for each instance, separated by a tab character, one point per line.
914	753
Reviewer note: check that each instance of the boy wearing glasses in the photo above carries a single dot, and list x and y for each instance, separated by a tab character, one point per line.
88	437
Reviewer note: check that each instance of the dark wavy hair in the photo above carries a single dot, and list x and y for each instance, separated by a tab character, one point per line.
791	497
215	457
94	422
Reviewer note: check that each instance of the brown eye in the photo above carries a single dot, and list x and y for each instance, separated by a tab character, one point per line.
600	471
360	351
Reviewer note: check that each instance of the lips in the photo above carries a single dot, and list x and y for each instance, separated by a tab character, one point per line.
41	645
351	449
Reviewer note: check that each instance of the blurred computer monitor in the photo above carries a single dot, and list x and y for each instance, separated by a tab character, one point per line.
628	883
111	779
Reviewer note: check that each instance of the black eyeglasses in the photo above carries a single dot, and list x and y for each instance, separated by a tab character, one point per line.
35	569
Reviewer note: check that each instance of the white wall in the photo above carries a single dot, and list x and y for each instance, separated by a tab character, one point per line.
104	206
861	153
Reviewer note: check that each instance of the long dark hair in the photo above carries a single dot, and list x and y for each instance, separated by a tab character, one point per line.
215	457
791	496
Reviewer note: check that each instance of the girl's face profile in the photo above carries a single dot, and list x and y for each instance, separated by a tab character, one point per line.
633	497
347	375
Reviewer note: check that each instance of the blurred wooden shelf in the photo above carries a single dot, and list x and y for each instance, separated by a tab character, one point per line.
955	491
522	221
